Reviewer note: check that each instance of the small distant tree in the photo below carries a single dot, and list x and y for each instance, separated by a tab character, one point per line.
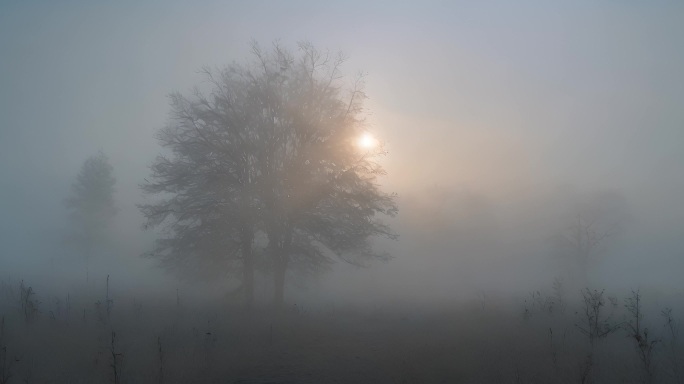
592	223
582	242
91	204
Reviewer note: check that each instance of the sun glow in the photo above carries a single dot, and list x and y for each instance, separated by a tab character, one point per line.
367	141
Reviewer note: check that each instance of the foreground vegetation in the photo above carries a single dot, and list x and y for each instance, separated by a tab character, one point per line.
539	339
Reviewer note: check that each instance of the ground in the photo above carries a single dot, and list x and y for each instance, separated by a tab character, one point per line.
462	342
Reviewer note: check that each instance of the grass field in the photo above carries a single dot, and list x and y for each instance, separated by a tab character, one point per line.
530	340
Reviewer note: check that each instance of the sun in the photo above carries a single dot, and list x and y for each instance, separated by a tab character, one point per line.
367	141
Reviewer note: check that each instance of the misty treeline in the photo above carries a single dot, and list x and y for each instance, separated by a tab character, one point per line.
263	170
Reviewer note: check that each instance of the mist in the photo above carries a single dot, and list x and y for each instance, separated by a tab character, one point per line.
508	127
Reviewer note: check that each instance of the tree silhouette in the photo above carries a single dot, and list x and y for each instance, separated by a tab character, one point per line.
272	149
582	242
91	204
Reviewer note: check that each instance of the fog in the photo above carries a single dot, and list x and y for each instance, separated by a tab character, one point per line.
504	124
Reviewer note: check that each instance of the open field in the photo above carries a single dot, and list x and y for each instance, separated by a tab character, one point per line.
532	340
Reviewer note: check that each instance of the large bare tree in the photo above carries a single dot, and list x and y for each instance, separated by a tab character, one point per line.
273	149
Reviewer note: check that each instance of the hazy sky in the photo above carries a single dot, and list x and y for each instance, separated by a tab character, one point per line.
499	105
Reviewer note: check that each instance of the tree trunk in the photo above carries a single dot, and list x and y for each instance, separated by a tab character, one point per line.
279	240
248	281
248	267
88	253
279	285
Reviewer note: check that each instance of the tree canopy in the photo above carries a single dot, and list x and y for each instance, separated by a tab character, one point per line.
91	203
272	149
